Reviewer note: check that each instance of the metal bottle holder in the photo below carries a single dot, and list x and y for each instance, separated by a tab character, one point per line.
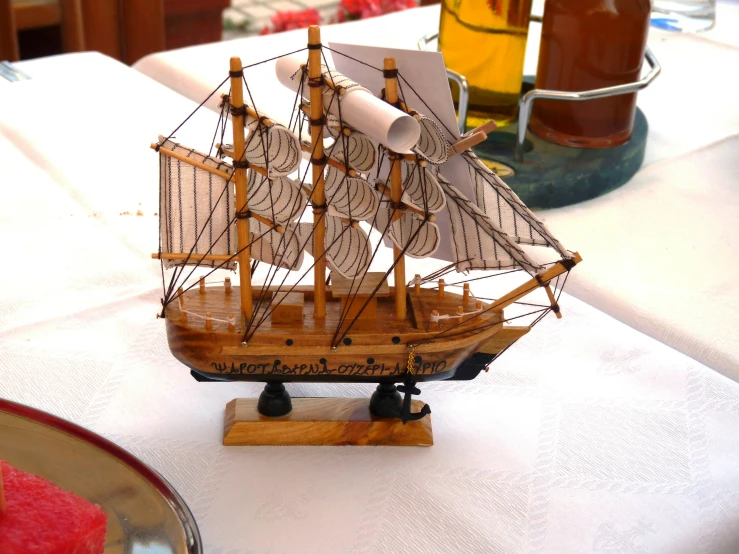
553	175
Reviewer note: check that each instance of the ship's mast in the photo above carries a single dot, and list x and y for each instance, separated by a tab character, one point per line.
239	162
396	191
315	82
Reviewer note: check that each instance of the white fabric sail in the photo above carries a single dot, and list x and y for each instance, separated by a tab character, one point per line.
333	124
361	150
280	200
351	197
421	236
348	250
503	206
421	189
197	210
269	246
477	242
275	148
432	145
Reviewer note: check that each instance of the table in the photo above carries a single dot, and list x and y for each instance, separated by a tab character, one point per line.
660	253
587	436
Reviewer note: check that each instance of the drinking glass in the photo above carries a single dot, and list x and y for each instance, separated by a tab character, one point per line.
485	40
684	15
586	45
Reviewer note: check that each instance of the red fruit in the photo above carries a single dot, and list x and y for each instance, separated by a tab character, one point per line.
41	518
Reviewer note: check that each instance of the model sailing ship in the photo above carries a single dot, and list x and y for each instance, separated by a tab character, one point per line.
376	161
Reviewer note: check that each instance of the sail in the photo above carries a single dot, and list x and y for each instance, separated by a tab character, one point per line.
275	148
360	148
432	145
269	246
421	189
333	123
477	241
351	197
280	199
348	250
197	210
357	106
503	206
421	236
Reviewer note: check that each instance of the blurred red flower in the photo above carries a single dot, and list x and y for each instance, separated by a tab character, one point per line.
289	20
350	10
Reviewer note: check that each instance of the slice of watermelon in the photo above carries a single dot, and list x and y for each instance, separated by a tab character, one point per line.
41	518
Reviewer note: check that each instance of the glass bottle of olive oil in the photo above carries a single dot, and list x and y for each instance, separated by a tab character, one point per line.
485	40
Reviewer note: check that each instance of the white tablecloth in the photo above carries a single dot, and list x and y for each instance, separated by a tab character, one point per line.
587	436
661	252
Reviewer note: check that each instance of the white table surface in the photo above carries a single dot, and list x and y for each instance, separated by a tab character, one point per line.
587	436
660	253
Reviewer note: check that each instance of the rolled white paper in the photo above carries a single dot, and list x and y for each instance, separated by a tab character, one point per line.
360	109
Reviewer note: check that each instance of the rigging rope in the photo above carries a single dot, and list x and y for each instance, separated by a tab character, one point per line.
270	278
395	262
350	300
519	295
175	275
199	262
298	119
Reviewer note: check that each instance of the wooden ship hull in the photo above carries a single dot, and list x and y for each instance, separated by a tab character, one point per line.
291	345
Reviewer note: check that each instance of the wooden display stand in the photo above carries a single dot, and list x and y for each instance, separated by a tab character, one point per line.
322	422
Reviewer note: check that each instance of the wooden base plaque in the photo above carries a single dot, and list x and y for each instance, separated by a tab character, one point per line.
322	422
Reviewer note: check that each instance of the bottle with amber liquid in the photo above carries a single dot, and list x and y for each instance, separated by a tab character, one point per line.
585	45
485	40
